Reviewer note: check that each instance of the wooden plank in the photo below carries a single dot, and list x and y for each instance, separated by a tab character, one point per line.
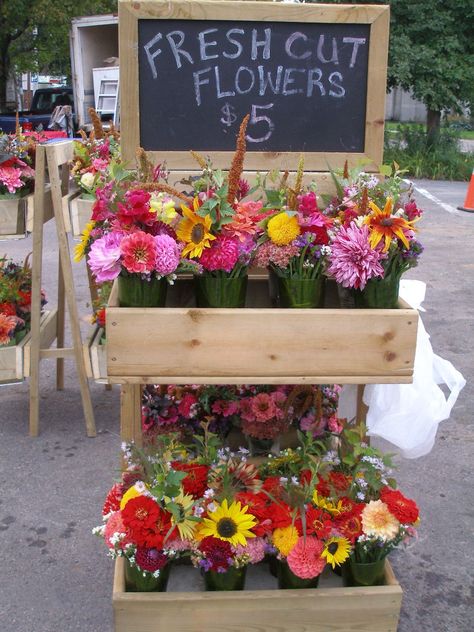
11	362
47	336
47	208
174	342
80	214
131	414
12	217
258	379
372	609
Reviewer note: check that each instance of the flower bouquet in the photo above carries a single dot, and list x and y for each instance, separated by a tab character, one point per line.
219	230
15	301
373	239
16	182
294	245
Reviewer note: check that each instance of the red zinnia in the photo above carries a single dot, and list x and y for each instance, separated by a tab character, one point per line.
350	526
404	509
318	522
195	482
138	252
257	506
147	523
280	515
340	481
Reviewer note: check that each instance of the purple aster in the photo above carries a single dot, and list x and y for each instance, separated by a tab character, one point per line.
353	262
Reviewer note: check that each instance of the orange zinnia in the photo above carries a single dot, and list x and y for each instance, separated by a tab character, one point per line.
384	225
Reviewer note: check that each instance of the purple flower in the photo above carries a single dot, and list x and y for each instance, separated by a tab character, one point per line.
168	255
104	257
353	262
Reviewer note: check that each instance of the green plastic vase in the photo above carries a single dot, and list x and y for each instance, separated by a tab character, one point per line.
220	291
133	291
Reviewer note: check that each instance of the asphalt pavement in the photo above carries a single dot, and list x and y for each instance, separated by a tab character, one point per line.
56	574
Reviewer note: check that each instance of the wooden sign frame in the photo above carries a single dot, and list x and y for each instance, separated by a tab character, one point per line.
377	16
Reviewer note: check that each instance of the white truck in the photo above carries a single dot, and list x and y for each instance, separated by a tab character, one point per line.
94	61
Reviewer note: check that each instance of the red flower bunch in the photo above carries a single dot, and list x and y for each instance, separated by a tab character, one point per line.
112	502
136	208
218	553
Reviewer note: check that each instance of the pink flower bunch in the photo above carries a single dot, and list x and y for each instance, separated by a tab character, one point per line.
225	407
305	559
104	257
168	254
263	416
352	261
307	203
136	208
269	253
14	174
255	548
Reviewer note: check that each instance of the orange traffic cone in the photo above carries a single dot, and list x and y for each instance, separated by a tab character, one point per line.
469	201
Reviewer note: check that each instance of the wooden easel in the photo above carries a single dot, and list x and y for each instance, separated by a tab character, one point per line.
56	157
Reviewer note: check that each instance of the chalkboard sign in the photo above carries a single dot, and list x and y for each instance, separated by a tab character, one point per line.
309	76
304	85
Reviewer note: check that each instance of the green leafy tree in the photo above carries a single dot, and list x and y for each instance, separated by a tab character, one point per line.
431	53
34	35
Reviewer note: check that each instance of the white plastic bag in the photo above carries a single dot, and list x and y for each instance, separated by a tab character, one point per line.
408	415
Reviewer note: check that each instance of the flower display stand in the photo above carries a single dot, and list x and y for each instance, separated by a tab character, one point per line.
13	216
257	344
95	354
329	607
80	213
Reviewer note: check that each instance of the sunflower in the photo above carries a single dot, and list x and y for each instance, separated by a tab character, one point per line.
194	231
183	516
283	229
336	551
229	523
81	247
384	225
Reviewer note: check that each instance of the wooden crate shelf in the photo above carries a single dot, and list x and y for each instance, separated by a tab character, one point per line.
329	607
258	344
95	357
80	214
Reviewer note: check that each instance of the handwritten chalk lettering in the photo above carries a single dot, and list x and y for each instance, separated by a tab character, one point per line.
294	37
175	45
151	55
340	90
228	115
266	81
265	44
356	42
220	93
319	51
198	82
288	80
254	120
235	42
314	79
238	81
203	45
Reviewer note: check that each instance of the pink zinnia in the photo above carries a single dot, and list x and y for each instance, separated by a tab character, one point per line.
167	254
263	407
353	262
104	257
305	559
114	525
222	255
139	252
225	407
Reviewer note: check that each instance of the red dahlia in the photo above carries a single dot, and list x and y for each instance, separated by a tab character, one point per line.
150	560
218	552
195	483
404	509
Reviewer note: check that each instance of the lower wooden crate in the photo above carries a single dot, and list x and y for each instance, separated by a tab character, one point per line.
15	361
95	355
13	217
80	211
328	608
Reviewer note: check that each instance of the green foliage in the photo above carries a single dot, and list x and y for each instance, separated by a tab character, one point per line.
441	161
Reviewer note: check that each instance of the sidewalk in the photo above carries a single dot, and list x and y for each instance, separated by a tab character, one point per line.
57	576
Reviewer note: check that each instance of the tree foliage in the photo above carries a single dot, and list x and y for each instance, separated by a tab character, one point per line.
34	34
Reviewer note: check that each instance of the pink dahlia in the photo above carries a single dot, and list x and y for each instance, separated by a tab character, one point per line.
222	255
11	178
305	559
167	254
353	262
104	257
139	252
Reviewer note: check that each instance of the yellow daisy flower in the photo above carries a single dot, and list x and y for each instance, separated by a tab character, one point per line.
283	229
384	225
194	231
285	538
230	523
186	527
336	551
80	248
328	505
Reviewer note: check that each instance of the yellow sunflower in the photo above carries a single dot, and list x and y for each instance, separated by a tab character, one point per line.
80	248
336	551
194	231
283	229
384	225
185	523
230	523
